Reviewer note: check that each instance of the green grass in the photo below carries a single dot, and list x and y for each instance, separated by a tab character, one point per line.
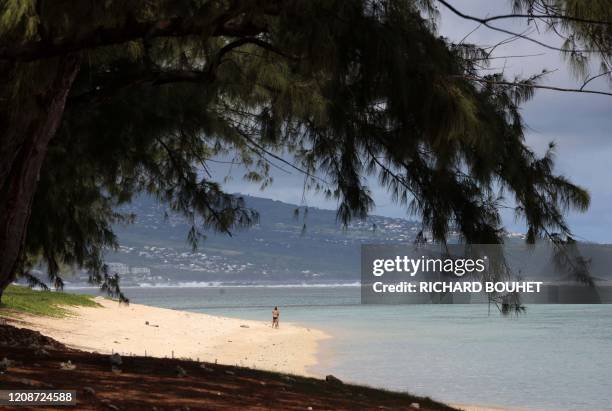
18	299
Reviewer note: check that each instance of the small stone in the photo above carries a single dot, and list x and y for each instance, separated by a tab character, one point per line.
4	365
115	359
415	405
309	408
146	323
206	368
333	380
112	407
67	365
89	391
244	326
180	371
116	370
230	372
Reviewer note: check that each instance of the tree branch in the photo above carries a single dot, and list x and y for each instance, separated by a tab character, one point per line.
282	160
485	22
587	81
187	182
161	77
220	25
518	84
527	16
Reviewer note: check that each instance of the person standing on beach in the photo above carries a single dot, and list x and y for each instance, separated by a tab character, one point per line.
275	315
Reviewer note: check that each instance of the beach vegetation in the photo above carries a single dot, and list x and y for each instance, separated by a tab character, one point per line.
24	300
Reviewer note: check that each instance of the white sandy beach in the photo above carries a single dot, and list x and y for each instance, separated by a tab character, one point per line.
123	329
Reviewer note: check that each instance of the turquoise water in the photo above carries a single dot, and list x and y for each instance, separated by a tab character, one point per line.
554	357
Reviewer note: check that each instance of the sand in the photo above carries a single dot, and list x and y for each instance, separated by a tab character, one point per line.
170	333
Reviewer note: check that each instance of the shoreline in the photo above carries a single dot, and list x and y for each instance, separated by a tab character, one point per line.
123	329
137	329
138	383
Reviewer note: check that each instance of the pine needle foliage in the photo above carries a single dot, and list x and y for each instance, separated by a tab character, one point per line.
341	90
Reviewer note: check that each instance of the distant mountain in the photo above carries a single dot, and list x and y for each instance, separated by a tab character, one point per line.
310	248
281	248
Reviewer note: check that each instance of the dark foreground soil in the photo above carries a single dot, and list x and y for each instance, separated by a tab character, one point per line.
143	383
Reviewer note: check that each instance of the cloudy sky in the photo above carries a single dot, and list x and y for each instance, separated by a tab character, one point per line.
580	124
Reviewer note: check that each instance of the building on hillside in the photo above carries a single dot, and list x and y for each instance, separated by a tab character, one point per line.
118	268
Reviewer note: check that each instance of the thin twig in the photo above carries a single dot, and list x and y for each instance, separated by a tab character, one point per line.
517	84
485	22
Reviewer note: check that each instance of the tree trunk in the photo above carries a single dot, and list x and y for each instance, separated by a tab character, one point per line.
33	127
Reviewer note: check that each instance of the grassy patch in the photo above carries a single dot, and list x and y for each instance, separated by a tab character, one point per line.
49	303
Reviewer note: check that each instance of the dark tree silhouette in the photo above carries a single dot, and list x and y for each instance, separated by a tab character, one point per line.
102	100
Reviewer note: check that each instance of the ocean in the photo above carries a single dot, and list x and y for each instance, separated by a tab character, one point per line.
553	357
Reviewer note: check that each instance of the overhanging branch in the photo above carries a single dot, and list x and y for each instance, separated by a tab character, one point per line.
537	86
201	23
524	16
486	22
